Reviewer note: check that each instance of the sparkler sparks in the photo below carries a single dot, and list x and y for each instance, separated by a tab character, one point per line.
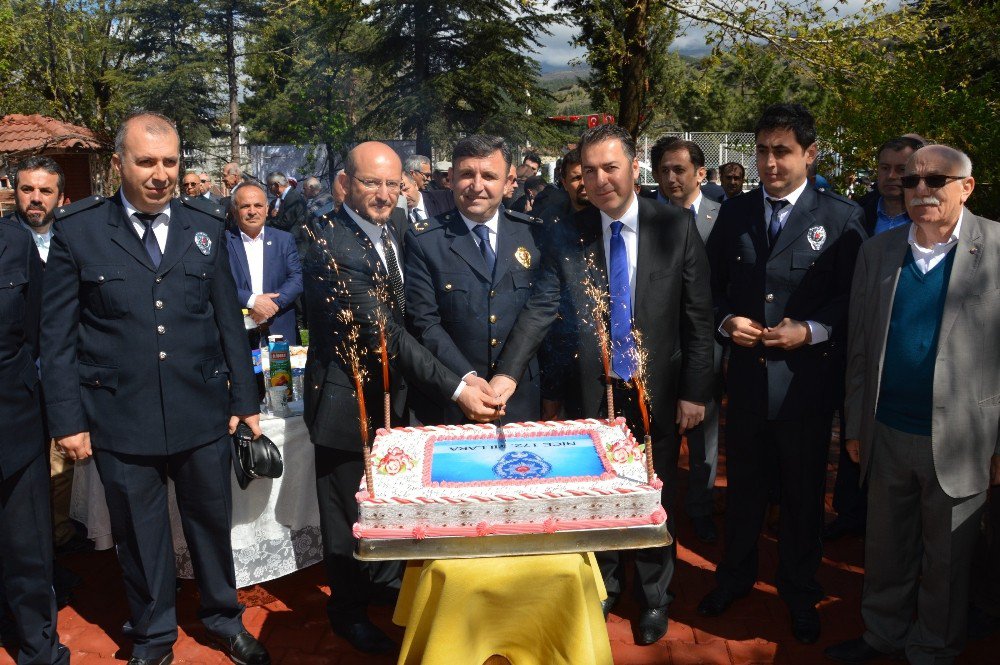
600	310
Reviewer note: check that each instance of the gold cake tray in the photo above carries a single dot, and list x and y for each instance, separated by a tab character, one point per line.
473	547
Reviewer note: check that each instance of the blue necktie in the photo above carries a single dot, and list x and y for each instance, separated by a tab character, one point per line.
489	255
774	227
622	345
693	211
149	238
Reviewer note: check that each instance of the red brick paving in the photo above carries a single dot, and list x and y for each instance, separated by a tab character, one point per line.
288	615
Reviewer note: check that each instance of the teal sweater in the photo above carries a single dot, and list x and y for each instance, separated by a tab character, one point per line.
906	396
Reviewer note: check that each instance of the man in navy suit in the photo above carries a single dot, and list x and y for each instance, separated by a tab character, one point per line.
25	525
265	264
782	261
146	366
469	273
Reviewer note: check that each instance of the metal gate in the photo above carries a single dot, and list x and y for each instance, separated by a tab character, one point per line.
719	148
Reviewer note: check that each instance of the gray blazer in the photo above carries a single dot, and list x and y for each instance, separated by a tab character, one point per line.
966	419
708	212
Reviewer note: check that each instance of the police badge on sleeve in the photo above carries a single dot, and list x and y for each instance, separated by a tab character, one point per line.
816	236
203	242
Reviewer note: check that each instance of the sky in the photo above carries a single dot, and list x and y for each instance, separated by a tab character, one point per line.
557	51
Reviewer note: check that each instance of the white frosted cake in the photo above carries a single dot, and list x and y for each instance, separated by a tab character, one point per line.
476	480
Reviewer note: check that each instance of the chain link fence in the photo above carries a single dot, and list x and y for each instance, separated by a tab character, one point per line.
719	148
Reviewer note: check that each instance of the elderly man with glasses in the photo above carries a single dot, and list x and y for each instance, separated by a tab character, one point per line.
922	406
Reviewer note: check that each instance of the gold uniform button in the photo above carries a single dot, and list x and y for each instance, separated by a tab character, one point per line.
493	294
97	382
769	297
494	342
161	329
493	318
158	280
762	360
447	287
158	304
163	355
100	278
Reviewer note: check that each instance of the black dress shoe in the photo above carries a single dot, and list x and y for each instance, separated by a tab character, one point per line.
704	528
366	637
607	605
652	625
165	659
805	625
839	528
717	601
854	651
243	649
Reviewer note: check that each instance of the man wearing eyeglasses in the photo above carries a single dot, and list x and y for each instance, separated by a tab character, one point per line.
923	405
419	168
353	279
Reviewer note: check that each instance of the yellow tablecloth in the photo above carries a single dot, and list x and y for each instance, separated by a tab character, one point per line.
532	610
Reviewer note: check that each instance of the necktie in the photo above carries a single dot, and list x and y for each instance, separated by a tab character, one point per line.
395	277
774	226
693	211
149	238
416	216
622	345
485	247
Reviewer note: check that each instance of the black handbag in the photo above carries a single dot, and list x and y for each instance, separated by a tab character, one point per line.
254	458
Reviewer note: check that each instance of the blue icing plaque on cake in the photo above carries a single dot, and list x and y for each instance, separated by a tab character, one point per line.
515	458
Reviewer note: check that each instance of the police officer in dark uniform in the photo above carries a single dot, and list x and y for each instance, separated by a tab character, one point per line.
469	273
146	365
25	524
782	261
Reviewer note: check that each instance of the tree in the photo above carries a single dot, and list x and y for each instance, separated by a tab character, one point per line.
451	66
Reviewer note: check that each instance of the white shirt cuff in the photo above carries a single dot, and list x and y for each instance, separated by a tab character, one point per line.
461	386
818	333
251	300
721	330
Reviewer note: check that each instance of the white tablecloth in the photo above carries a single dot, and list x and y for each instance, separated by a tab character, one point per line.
275	522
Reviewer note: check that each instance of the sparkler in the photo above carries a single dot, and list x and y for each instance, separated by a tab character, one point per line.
380	294
350	354
641	357
599	311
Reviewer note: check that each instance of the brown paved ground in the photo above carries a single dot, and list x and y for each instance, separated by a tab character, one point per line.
288	615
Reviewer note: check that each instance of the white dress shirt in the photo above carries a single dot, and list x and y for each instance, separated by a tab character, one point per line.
160	225
630	234
374	233
926	258
254	248
42	241
492	224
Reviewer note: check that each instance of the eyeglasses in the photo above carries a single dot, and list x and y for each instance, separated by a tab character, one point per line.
372	184
204	181
934	181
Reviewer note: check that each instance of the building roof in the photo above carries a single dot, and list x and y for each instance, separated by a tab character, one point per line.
30	133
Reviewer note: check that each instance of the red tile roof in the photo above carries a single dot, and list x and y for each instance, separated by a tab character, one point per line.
20	133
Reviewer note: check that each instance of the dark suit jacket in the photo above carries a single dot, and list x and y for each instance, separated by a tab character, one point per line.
293	216
23	436
438	201
282	275
672	310
869	204
460	312
713	191
150	361
341	274
793	280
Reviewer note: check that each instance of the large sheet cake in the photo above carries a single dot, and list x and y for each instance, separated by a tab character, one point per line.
523	478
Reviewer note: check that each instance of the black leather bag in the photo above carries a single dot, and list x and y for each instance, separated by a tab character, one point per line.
254	458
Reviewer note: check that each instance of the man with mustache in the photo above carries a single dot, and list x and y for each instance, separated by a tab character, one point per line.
922	407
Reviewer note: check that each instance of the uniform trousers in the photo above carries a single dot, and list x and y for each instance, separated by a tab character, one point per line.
26	556
135	487
918	550
798	448
353	583
654	566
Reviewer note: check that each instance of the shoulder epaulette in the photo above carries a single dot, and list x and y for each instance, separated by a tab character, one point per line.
63	212
202	204
522	217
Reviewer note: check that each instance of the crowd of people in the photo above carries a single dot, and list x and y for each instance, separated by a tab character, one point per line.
123	339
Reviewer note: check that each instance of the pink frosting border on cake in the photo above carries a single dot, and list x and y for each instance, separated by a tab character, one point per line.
522	433
551	525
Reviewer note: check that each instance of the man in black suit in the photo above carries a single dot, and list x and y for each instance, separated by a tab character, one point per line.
651	261
146	365
352	282
425	204
289	211
469	273
782	263
25	523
